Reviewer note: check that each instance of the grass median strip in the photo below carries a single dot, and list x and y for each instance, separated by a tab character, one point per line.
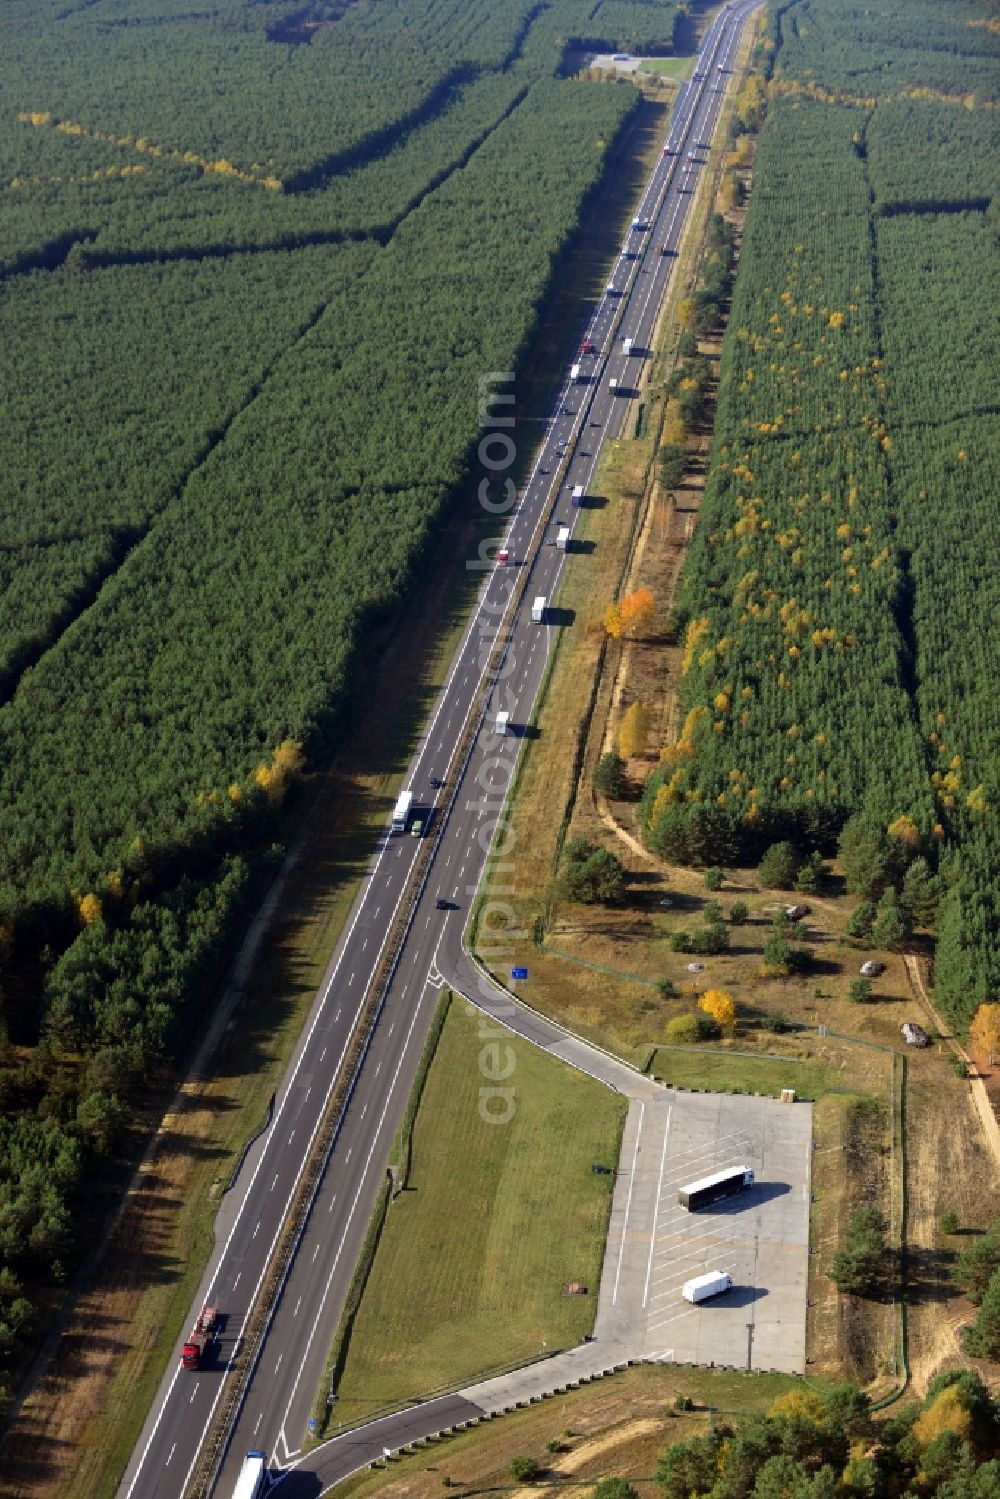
456	1291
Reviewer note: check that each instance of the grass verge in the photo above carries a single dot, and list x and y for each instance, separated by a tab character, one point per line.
497	1215
723	1072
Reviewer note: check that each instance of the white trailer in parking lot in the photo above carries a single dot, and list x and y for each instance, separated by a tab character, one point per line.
704	1286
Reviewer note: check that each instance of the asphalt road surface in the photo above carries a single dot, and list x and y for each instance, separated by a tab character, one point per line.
586	413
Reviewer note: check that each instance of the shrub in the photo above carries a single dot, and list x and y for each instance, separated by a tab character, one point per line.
609	776
948	1223
712	938
809	879
666	989
978	1262
591	874
613	1488
983	1340
739	913
525	1469
779	867
858	1267
680	942
860	991
712	911
892	926
775	1022
777	956
684	1030
713	878
862	919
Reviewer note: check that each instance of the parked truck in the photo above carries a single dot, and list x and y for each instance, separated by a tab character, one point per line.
704	1286
709	1189
562	538
254	1478
538	610
199	1338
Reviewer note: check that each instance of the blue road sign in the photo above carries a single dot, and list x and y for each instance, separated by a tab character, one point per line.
519	973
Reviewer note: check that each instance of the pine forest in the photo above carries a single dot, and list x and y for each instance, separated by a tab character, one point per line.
253	261
840	597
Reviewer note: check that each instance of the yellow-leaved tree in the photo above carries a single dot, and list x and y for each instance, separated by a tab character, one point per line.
720	1005
634	731
286	764
985	1030
638	611
90	909
687	312
905	829
947	1413
798	1405
613	623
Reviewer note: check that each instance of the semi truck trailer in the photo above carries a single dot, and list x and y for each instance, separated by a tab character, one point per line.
199	1338
704	1286
538	610
709	1189
401	811
254	1478
562	538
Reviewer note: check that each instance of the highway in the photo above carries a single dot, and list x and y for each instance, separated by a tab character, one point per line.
463	801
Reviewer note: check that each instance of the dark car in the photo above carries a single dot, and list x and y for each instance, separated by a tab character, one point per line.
442	904
437	782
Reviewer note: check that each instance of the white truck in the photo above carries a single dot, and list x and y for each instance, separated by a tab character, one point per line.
574	373
503	722
613	386
627	347
254	1478
538	610
401	811
637	223
562	538
577	497
704	1286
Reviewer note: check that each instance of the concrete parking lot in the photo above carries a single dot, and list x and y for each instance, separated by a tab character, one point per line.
760	1236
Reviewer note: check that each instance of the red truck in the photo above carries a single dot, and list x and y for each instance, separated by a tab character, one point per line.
201	1335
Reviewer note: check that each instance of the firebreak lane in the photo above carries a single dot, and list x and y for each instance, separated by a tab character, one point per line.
276	1409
